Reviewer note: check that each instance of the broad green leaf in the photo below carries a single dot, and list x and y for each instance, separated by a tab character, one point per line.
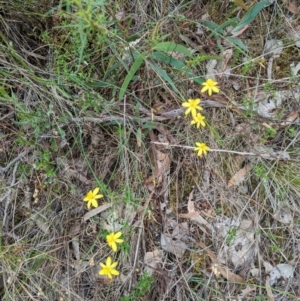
237	42
171	46
250	15
134	68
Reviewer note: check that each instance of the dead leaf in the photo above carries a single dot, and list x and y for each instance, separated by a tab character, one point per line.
120	15
139	137
152	259
159	160
224	271
290	118
249	291
193	215
95	211
174	246
268	289
241	31
239	176
292	7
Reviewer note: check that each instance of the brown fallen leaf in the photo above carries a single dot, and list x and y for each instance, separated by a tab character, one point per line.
269	290
95	211
160	161
290	118
292	7
239	176
195	216
223	270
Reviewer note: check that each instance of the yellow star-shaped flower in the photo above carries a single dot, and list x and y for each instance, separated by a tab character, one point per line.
91	198
201	148
113	239
198	120
108	269
210	86
192	106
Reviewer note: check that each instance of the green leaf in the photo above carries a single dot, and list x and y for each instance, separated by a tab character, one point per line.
162	73
211	25
250	15
237	42
167	59
134	68
171	46
180	66
219	30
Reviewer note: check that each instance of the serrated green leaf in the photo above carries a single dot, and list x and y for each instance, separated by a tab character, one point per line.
134	68
171	46
250	15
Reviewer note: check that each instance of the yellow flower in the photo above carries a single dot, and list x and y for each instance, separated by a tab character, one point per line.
210	86
113	239
108	269
198	120
92	197
192	106
201	148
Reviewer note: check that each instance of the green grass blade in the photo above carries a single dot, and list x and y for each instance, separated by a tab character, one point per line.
236	42
250	15
163	74
134	68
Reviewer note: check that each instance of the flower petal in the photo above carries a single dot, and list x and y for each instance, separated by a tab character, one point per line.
108	261
118	234
188	111
216	89
114	265
204	89
94	203
96	190
115	272
114	246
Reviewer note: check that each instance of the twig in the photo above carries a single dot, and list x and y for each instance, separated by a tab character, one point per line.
7	195
139	236
19	157
265	156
